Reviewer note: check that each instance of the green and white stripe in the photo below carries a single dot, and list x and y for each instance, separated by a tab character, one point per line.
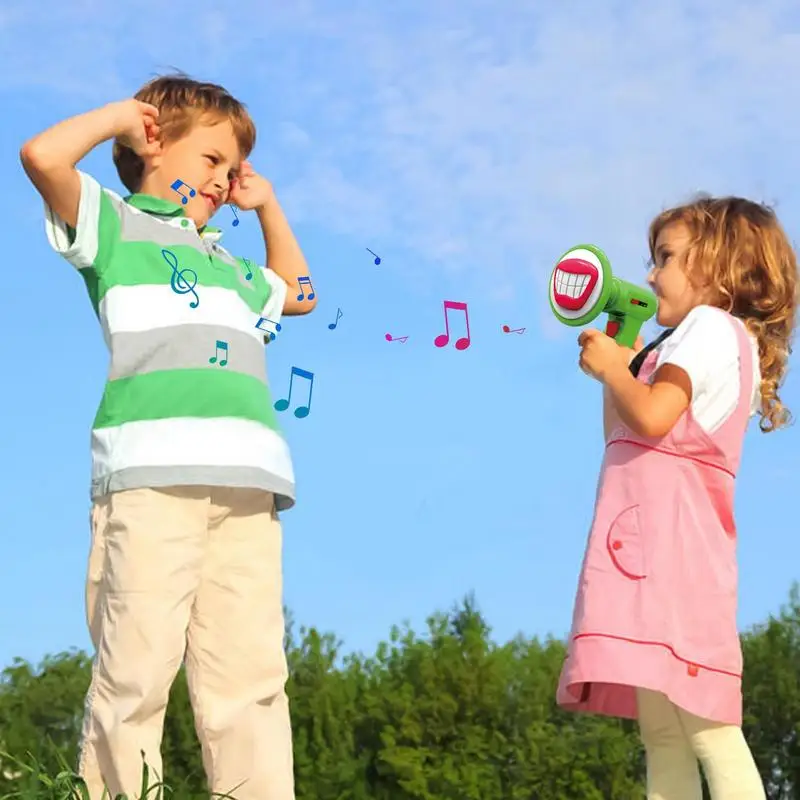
168	416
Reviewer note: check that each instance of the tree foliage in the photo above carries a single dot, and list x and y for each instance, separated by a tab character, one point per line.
450	715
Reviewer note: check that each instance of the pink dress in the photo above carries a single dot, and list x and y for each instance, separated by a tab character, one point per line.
657	596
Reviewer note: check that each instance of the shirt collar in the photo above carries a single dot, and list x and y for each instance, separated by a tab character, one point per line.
172	211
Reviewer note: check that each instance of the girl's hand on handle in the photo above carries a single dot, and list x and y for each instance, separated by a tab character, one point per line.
137	126
601	355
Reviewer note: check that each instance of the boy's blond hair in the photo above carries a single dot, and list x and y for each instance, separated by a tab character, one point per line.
742	257
181	102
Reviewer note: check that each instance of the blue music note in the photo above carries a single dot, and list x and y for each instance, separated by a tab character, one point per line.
305	280
177	187
271	333
300	411
236	221
177	281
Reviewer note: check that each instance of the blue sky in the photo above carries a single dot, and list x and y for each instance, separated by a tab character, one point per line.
469	148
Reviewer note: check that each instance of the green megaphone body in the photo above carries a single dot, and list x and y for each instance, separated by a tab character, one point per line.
582	287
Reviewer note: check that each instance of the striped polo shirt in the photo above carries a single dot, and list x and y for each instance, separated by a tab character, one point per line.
187	400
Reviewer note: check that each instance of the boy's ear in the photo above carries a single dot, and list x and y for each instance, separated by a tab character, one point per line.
153	155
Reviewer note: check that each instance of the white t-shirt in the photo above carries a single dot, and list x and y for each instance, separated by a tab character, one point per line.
706	347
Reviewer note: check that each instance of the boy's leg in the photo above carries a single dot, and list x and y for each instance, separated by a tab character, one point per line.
144	567
727	761
235	660
672	771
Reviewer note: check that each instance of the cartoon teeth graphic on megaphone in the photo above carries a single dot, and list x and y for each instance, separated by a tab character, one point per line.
582	287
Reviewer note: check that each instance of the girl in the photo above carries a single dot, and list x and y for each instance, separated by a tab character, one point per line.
654	634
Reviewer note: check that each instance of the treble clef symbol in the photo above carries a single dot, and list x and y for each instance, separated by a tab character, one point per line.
177	281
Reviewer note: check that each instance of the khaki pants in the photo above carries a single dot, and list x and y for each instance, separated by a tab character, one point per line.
676	740
194	574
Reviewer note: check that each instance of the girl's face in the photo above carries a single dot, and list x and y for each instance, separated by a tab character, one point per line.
668	277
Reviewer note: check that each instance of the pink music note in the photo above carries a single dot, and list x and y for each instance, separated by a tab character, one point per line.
506	329
403	339
442	339
177	187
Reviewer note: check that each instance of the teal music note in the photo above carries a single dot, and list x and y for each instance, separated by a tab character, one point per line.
220	346
300	411
249	275
177	281
300	281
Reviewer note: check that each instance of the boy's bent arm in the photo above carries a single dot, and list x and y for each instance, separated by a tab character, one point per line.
285	258
49	159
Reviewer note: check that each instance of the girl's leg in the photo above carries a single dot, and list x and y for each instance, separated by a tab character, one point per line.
727	761
672	771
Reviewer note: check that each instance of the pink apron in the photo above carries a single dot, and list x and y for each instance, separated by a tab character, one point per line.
657	595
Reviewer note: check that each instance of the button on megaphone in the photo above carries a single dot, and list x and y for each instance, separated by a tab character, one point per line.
582	287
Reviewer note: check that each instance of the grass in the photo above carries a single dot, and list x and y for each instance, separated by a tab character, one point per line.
67	785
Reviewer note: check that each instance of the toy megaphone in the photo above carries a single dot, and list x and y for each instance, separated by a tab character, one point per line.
582	287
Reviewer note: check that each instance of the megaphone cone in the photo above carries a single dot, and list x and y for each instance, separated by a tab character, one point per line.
582	287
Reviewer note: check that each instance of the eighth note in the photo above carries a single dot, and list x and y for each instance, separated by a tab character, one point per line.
332	325
177	187
300	411
443	338
249	275
300	282
236	221
506	329
377	257
220	346
402	339
271	333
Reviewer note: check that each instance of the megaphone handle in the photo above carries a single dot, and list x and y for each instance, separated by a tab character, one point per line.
612	326
623	329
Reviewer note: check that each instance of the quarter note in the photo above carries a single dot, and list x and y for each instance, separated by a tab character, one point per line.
177	187
300	282
332	325
236	221
271	334
403	339
506	329
220	346
300	411
442	339
177	281
377	257
249	275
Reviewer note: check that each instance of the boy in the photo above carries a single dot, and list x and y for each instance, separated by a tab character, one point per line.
189	468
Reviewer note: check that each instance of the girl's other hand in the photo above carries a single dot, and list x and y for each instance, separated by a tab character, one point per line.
637	347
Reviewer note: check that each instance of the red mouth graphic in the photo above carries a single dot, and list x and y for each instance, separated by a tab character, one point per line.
573	282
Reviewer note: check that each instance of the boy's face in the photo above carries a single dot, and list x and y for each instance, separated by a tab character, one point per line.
207	159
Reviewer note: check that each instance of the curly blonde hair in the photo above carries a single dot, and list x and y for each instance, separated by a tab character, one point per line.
181	102
741	257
